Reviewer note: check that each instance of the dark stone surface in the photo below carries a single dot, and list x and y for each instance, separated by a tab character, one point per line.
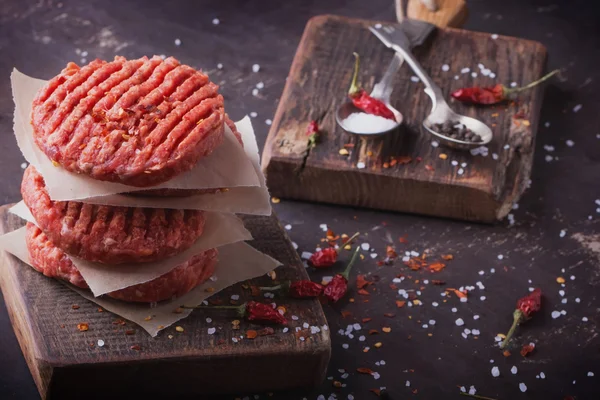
40	37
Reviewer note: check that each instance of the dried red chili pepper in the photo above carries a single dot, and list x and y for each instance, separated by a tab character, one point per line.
324	258
298	289
363	101
338	286
327	257
252	311
494	94
526	307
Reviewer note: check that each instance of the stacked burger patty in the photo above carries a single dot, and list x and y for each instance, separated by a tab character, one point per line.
136	122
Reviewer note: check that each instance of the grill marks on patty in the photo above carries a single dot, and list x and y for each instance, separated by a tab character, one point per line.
138	122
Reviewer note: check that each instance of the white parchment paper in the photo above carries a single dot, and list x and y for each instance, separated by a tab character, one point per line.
237	262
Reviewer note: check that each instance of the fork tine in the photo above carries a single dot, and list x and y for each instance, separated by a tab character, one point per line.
381	36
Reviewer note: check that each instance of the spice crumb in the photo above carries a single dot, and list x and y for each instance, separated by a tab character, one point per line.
84	326
179	329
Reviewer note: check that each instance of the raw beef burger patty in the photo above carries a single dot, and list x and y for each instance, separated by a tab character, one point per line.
137	122
109	234
53	262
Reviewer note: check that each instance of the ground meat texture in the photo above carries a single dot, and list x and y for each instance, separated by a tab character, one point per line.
138	122
48	259
108	234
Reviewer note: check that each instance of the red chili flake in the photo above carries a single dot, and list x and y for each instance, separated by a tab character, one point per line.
429	168
346	314
437	282
366	320
363	370
84	326
526	307
338	286
390	252
527	349
400	303
331	236
361	282
136	347
251	334
324	258
457	292
363	292
254	291
393	286
373	332
506	353
493	94
389	315
376	391
129	332
100	309
403	160
361	99
380	263
75	307
447	257
436	266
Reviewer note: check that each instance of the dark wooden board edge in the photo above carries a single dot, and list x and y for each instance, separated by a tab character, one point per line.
483	205
278	366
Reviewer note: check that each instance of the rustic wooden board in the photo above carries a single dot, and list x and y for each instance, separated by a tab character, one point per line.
318	80
66	363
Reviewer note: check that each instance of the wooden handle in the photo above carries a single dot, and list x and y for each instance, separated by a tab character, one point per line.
452	13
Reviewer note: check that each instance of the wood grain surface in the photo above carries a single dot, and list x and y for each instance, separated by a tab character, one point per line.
66	363
317	83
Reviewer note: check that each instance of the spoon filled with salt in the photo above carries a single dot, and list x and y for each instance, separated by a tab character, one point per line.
353	120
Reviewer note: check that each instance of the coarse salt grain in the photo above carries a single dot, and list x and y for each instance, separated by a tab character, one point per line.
459	322
360	165
100	342
216	21
365	246
268	122
555	314
255	68
219	66
288	227
306	255
445	67
435	144
345	346
24	165
577	108
211	331
476	317
522	387
465	70
367	123
590	373
514	370
562	233
570	143
495	372
494	36
414	79
177	42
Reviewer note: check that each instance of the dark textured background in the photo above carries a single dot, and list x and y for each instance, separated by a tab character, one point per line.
40	37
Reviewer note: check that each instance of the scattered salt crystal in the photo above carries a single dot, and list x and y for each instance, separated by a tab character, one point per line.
373	255
208	320
547	124
454	162
476	332
577	108
219	66
367	123
285	330
255	68
481	272
356	327
445	67
570	143
378	26
254	92
548	158
522	387
514	370
216	21
24	165
475	317
414	79
572	277
100	342
494	36
555	314
590	373
435	144
467	331
84	60
563	312
260	85
425	326
460	171
305	255
431	322
407	383
235	297
253	114
454	309
463	299
465	70
345	345
211	331
472	390
177	42
577	300
562	233
492	75
455	77
435	304
376	375
564	301
360	165
268	122
494	156
513	84
463	389
460	322
584	319
323	227
362	338
561	292
482	298
500	256
365	246
495	372
542	375
474	74
294	318
414	253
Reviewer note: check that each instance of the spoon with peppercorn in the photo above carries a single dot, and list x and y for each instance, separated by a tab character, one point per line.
453	129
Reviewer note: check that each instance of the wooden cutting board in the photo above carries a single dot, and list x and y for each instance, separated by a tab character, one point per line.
484	190
68	364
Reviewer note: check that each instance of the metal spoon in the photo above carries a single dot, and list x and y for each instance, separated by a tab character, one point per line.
382	91
440	110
